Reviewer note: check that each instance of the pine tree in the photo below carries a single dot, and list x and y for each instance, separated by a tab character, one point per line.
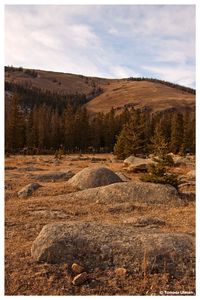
69	128
110	129
15	126
176	133
132	138
188	145
159	146
97	132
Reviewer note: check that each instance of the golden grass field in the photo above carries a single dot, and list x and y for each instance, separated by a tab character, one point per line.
24	219
115	92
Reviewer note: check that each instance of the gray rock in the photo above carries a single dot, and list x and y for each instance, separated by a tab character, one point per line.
97	159
80	278
30	169
28	190
188	196
94	177
180	161
191	175
136	164
146	221
128	192
123	176
54	176
96	245
187	187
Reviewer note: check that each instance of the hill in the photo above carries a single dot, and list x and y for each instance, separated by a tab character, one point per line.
154	96
102	94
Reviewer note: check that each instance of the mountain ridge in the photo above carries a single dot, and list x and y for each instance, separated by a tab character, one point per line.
103	94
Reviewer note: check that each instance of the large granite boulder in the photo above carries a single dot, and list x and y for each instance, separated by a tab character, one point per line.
128	192
94	177
101	245
137	164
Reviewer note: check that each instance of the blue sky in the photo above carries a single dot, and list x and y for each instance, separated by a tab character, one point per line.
112	41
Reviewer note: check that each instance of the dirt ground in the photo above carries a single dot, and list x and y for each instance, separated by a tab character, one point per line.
24	219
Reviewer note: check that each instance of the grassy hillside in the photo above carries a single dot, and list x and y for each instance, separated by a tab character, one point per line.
153	95
103	94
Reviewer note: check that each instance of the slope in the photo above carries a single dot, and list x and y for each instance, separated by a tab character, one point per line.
103	94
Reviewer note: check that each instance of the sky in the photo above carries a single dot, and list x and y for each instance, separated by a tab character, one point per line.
112	41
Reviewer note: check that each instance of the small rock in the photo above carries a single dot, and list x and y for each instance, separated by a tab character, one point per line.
97	159
120	271
146	221
28	190
54	176
188	196
77	269
80	278
191	175
105	251
122	176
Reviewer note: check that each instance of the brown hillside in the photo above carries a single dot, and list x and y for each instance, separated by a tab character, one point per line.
56	82
115	93
153	95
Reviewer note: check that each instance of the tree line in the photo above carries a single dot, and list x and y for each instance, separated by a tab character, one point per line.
44	128
167	83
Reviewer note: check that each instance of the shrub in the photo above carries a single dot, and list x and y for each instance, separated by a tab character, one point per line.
165	160
157	174
59	153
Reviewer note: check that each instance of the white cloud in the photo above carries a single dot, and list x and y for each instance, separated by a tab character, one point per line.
107	41
182	75
122	72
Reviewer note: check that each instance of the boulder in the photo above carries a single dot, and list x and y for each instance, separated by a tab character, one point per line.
28	190
120	272
97	159
101	245
136	164
181	161
191	175
123	176
30	169
54	176
80	279
127	192
149	221
187	187
188	196
76	268
94	177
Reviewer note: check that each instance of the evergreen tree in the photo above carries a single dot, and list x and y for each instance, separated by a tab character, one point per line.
97	132
15	126
132	138
176	133
69	128
159	146
188	145
110	129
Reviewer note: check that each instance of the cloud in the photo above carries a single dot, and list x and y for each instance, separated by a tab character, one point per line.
182	75
103	40
122	72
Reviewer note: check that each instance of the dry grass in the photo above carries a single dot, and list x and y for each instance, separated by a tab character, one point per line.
116	92
24	218
140	93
